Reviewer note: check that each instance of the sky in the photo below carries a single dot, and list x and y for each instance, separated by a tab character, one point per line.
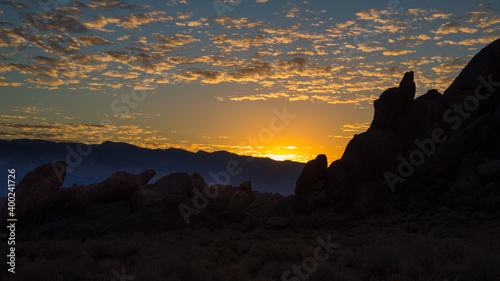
282	79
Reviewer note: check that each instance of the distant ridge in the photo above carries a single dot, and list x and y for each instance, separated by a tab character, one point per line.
109	157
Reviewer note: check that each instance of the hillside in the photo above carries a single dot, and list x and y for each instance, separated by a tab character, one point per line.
109	157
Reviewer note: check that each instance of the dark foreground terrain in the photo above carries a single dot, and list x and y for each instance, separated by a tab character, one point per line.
433	245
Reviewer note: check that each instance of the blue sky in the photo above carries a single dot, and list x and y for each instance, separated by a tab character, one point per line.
212	75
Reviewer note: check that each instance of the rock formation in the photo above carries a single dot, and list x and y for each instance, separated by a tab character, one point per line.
36	189
313	176
421	147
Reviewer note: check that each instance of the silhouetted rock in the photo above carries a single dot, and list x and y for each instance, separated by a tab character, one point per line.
446	158
393	102
314	172
366	157
307	203
225	192
38	186
239	201
246	187
278	223
181	184
107	213
119	186
489	169
420	118
470	162
147	197
484	65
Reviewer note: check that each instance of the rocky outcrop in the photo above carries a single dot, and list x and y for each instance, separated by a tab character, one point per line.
147	197
313	176
36	189
423	148
366	157
482	72
125	202
239	201
393	102
119	186
180	184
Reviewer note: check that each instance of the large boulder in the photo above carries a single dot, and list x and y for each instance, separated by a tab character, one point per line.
314	171
393	102
37	187
366	157
420	118
119	186
482	71
106	213
445	161
147	197
226	192
239	201
246	187
181	184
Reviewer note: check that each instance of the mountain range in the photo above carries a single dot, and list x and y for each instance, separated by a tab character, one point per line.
94	163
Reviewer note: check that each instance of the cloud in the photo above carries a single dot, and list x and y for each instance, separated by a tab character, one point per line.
485	22
454	27
369	49
229	22
125	75
11	38
59	20
52	61
106	5
397	52
87	133
355	127
438	16
13	84
198	23
479	16
339	100
51	82
164	42
132	21
118	56
261	97
292	12
454	65
101	21
93	40
16	4
60	44
177	2
32	69
472	41
371	14
254	71
20	117
208	76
